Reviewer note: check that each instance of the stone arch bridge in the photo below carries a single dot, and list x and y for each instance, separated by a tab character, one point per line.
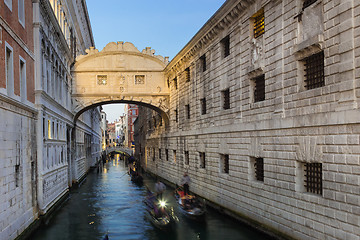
120	73
125	150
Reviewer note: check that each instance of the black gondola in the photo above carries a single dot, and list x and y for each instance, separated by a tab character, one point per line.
190	206
157	212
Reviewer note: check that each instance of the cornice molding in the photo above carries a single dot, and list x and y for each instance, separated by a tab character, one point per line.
227	13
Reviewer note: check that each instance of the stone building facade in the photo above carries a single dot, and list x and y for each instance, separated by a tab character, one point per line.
62	31
43	149
17	118
264	116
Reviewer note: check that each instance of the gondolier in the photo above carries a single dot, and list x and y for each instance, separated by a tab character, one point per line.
159	189
185	182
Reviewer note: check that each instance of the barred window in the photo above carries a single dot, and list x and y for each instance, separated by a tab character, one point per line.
314	71
101	79
259	169
187	110
203	62
187	158
225	99
307	3
202	159
187	74
153	154
176	115
203	106
259	89
259	23
160	153
139	79
224	163
175	83
167	154
225	46
313	178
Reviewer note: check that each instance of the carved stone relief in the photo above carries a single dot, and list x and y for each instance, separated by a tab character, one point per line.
308	149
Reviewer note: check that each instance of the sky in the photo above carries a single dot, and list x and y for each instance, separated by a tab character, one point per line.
164	25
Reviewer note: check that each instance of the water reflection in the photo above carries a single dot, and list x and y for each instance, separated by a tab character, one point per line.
108	202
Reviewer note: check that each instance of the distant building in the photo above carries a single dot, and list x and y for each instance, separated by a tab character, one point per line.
103	129
132	113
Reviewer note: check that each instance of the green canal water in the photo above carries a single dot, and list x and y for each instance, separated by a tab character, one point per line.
108	202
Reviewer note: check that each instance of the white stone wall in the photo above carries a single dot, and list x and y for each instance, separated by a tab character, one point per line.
17	187
292	126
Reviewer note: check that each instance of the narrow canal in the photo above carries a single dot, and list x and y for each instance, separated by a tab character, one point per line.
108	202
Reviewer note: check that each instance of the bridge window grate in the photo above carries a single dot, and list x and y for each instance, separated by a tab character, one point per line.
139	79
314	71
313	178
102	79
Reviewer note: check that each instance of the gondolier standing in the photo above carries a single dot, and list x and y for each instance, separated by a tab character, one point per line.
159	188
185	181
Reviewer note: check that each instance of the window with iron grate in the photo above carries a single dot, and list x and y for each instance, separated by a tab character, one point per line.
307	3
175	83
224	163
225	46
202	159
313	178
160	153
203	62
259	88
187	110
259	169
167	154
186	157
176	115
259	23
203	106
187	74
225	95
314	71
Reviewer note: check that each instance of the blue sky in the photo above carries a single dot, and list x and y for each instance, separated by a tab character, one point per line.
164	25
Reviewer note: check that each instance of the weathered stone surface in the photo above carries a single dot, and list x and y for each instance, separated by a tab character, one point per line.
290	127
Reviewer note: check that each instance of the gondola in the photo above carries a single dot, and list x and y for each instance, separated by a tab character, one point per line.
137	178
190	206
157	212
